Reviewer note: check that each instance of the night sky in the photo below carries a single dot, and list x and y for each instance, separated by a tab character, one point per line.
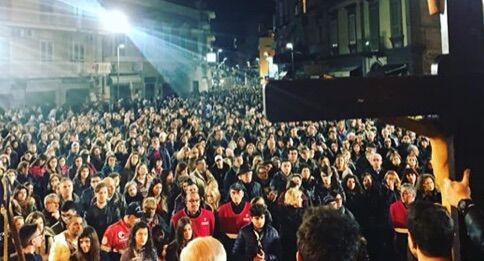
235	18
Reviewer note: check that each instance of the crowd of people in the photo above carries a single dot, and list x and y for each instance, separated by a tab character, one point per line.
142	179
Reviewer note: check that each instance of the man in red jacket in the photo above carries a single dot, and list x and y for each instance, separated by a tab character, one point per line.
203	221
233	215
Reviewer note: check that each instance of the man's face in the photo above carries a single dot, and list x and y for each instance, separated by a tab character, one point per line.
286	168
95	181
236	196
258	222
66	189
102	195
75	226
293	154
201	166
376	161
66	216
193	202
246	178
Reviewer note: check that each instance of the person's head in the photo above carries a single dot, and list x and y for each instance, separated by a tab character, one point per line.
95	179
367	180
30	235
51	202
66	188
68	210
325	234
192	202
184	231
407	193
201	165
141	171
75	225
426	183
101	192
140	237
391	177
83	172
410	175
412	161
258	216
286	167
110	185
245	174
133	214
325	173
131	189
21	193
203	249
430	230
376	161
293	197
294	181
236	193
88	244
149	207
212	196
349	182
36	218
18	221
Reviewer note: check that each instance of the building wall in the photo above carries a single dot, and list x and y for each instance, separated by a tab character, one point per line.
56	47
420	32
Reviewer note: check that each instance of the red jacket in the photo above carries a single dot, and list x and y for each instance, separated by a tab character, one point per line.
230	222
398	214
203	225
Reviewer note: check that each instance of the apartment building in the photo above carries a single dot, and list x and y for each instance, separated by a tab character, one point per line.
57	52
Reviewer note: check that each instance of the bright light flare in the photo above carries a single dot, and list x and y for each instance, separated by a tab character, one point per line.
115	21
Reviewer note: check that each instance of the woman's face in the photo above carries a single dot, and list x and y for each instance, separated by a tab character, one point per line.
85	244
428	185
411	177
157	189
53	164
210	198
141	236
54	182
132	191
187	232
40	224
62	162
134	160
22	195
142	171
351	184
412	161
84	173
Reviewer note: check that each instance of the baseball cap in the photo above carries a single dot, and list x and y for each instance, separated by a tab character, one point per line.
328	199
218	157
134	209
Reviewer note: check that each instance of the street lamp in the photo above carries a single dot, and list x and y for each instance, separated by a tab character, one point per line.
120	46
290	46
116	22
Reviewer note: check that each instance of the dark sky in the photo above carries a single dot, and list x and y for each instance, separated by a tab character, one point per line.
235	16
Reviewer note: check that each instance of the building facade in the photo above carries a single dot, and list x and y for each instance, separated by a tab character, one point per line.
358	37
54	52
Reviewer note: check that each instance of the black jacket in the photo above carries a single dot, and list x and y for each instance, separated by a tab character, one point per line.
246	245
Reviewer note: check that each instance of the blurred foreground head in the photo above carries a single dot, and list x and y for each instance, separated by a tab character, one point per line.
204	249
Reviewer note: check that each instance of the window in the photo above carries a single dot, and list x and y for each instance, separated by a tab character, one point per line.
4	49
333	34
396	23
374	26
77	52
46	6
352	28
46	51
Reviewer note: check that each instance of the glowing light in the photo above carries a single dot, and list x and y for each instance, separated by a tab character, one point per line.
115	21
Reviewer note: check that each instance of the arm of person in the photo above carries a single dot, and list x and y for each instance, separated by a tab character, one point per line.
459	196
239	246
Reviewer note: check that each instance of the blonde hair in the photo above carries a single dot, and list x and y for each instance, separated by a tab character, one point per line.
291	196
204	249
216	196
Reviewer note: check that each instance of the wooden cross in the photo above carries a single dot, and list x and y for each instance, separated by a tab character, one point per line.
455	99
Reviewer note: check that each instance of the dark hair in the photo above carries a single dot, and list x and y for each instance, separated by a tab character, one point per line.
431	228
257	210
94	250
148	249
68	205
325	234
180	226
